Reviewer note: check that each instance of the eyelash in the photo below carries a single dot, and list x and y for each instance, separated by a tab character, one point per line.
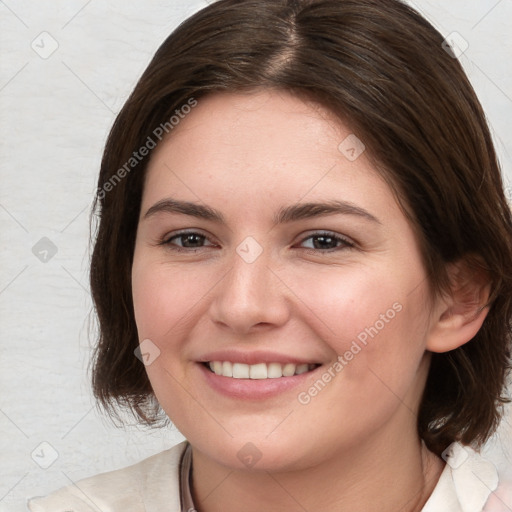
345	242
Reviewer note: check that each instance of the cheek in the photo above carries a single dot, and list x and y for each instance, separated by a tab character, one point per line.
165	302
373	323
165	298
344	304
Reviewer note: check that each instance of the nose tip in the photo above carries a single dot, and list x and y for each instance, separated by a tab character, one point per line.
250	295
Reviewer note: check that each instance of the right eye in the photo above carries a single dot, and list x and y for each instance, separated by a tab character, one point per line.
190	241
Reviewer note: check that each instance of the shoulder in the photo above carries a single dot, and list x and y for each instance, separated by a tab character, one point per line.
151	484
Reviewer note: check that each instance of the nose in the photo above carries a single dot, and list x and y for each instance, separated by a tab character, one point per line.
250	297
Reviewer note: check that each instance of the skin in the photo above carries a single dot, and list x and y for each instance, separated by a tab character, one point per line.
354	446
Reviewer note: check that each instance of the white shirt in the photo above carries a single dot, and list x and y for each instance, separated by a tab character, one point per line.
153	485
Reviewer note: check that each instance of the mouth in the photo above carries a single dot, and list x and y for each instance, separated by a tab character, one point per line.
257	375
259	371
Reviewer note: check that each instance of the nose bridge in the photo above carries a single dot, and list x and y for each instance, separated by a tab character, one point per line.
250	271
250	293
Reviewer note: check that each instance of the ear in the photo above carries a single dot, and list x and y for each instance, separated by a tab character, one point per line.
459	314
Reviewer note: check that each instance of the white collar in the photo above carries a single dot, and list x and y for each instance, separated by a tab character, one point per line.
465	484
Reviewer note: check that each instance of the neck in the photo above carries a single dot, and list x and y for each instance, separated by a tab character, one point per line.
384	474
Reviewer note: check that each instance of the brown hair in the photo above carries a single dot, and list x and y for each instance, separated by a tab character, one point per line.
381	68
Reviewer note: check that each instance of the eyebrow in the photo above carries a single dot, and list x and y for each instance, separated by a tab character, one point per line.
284	215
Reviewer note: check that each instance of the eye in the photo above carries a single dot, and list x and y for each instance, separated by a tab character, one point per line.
326	241
192	241
189	241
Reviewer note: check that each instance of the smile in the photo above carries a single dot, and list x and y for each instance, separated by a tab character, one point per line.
258	371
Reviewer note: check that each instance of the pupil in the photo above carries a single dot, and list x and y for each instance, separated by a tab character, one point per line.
190	239
323	240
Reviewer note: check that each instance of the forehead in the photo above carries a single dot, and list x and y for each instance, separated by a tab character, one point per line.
264	146
248	120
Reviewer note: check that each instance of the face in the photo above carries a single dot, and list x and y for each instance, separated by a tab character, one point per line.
234	265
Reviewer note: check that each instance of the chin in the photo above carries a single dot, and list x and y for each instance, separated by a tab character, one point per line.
256	453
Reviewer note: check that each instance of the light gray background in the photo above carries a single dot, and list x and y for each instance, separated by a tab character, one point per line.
56	111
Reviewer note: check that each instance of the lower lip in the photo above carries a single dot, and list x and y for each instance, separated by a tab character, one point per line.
254	389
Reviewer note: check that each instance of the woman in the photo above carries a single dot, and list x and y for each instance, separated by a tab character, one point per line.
304	259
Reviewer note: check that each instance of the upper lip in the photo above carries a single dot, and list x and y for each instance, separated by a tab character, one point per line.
254	357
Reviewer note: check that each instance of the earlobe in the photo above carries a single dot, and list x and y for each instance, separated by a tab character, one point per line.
460	313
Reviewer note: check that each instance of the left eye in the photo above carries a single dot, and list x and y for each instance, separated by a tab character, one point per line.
328	241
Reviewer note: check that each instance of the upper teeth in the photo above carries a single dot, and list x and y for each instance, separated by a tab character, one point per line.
258	371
